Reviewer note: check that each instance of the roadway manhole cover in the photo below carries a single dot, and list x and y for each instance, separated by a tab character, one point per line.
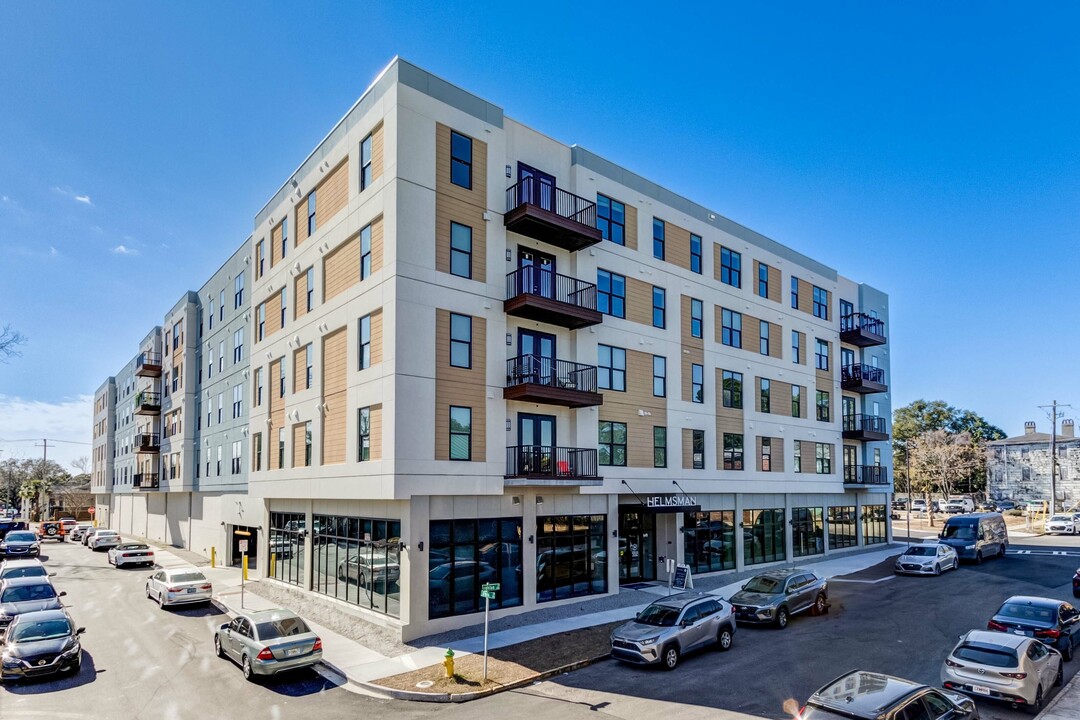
424	684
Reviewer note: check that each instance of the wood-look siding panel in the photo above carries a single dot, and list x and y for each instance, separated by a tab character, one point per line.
341	268
300	296
464	387
298	437
273	314
631	230
300	369
687	449
808	462
775	279
375	426
802	347
377	244
300	233
334	361
778	463
639	302
478	194
690	356
377	337
625	406
776	341
677	245
377	153
450	209
332	194
806	297
275	245
334	375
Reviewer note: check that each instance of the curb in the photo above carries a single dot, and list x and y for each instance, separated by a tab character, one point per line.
1071	688
415	696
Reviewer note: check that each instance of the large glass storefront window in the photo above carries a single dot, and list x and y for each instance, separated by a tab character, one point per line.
571	556
807	531
358	560
709	540
874	519
763	535
287	547
466	554
842	527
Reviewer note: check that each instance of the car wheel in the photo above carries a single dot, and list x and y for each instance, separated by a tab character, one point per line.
217	646
820	605
148	591
245	665
1001	550
1060	677
956	564
724	639
1036	707
360	578
671	657
937	568
782	618
1067	651
978	558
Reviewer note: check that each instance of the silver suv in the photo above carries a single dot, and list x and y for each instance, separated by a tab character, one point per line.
775	595
665	630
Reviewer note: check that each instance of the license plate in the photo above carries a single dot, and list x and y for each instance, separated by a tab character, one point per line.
1023	632
293	651
980	689
191	590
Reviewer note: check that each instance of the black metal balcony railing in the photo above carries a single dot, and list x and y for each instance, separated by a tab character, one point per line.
546	461
860	373
147	401
534	280
864	322
567	205
146	481
550	372
149	358
865	424
865	475
147	441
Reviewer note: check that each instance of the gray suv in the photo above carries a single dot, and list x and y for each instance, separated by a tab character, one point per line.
665	630
772	597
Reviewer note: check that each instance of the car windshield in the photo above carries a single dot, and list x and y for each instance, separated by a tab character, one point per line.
922	550
24	593
762	584
281	628
28	571
103	533
187	577
982	656
661	615
1023	611
21	537
132	546
958	532
43	630
1061	518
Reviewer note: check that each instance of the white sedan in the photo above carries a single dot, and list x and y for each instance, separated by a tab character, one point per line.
104	539
179	586
926	559
1061	524
132	553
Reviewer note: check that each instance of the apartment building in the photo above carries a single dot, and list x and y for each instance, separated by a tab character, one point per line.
1019	468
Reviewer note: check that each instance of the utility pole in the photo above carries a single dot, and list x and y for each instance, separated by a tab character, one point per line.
1052	412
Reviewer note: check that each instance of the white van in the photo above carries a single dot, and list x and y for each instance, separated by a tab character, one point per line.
959	505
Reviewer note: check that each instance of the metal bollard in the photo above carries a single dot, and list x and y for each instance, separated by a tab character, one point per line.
213	556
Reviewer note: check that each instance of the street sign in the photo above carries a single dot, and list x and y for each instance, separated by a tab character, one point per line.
490	586
243	546
91	511
488	590
487	594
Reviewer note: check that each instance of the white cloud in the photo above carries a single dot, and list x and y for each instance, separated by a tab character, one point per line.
124	250
84	199
24	423
53	252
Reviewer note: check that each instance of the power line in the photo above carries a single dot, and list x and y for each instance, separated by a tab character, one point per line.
36	440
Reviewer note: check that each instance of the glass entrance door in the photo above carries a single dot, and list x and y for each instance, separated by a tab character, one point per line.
637	546
536	436
537	272
536	357
851	459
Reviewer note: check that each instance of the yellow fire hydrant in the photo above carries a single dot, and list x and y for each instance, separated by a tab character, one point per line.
448	663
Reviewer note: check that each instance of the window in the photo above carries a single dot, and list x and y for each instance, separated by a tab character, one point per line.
307	367
260	259
731	328
808	531
709	540
460	340
796	401
460	433
470	553
281	378
238	291
763	280
261	319
460	250
258	386
221	305
798	457
730	267
220	406
765	391
236	453
238	345
221	356
364	334
697	446
310	299
310	217
217	465
285	225
821	354
213	312
842	527
732	382
796	348
766	454
764	536
733	451
847	311
822	406
365	252
209	413
611	293
659	376
287	531
823	459
210	365
658	239
821	303
695	253
695	317
763	342
659	307
365	163
659	442
611	219
281	447
873	524
237	401
697	383
794	292
307	444
175	379
461	160
283	304
363	434
611	369
612	443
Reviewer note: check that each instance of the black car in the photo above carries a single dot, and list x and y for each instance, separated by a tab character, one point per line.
20	543
26	594
40	643
1054	622
869	696
1076	583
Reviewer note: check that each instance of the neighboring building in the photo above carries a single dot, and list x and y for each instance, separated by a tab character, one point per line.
104	444
480	355
1018	468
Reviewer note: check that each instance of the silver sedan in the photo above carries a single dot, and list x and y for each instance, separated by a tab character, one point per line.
179	586
926	559
267	642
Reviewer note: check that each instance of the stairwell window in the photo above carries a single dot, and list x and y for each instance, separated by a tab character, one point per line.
659	376
696	312
659	447
365	253
460	341
310	217
363	432
365	342
365	163
697	390
285	227
460	160
695	253
460	250
460	433
659	307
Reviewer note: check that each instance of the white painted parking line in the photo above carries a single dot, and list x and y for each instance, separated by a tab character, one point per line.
863	582
1052	553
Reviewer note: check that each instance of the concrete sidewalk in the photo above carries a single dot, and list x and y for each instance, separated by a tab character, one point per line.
1066	706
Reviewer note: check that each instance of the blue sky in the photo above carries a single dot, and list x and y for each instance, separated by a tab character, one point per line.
931	151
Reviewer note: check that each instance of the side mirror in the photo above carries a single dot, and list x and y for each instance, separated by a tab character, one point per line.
52	574
80	631
744	586
686	623
62	593
225	626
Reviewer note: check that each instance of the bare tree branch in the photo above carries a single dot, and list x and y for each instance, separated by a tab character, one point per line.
10	339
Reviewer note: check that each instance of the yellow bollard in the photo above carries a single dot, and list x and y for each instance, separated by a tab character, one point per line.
273	564
448	663
245	566
213	556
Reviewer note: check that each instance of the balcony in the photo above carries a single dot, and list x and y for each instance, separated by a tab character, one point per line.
147	442
533	378
865	476
146	481
862	330
865	427
551	215
147	403
551	466
863	379
545	296
148	365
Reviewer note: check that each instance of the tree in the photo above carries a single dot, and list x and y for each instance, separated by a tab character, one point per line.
10	340
33	480
941	461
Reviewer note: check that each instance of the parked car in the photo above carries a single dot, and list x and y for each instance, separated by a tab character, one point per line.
976	536
281	546
918	506
51	530
40	643
367	568
68	524
20	543
958	505
79	530
872	696
986	506
1003	505
1061	523
1055	622
1076	583
465	572
926	559
132	553
673	626
27	594
998	666
9	524
87	535
28	567
179	586
268	642
775	595
104	539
